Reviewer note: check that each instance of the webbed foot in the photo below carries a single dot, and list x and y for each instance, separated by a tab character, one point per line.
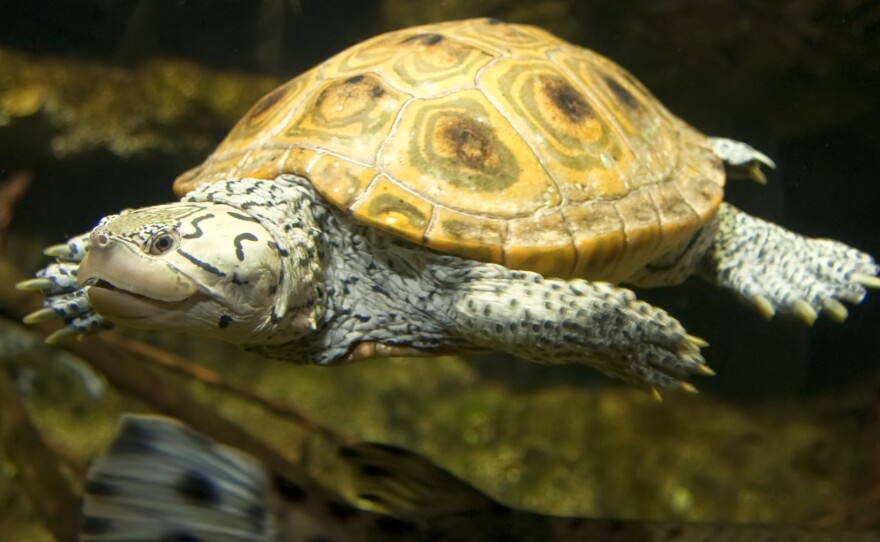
776	270
65	299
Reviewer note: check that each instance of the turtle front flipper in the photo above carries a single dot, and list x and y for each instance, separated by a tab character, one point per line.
594	323
777	270
65	298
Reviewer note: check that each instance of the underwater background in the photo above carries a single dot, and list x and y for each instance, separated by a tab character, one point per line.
104	102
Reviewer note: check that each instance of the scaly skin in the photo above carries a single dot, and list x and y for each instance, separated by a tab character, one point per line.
354	284
271	266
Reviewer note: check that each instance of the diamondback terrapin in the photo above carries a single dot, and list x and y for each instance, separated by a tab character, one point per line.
457	186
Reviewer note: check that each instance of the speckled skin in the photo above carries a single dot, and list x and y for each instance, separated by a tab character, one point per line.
343	284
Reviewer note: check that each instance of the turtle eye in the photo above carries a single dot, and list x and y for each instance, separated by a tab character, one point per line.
161	244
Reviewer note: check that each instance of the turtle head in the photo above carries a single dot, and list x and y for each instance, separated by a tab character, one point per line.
196	267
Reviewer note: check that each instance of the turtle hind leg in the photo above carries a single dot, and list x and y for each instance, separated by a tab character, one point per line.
556	321
65	299
741	160
776	270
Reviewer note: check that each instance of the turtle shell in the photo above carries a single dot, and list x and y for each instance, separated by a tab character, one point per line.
492	141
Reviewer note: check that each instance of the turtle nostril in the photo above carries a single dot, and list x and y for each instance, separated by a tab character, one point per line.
101	240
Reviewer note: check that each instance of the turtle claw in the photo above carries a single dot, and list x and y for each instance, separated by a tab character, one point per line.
73	250
40	316
57	251
764	306
705	370
866	280
34	285
754	173
762	158
743	159
835	310
61	334
65	298
804	311
688	387
699	342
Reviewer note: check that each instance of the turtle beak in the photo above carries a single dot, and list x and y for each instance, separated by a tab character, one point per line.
126	283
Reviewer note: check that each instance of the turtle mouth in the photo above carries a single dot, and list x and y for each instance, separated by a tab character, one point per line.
113	302
127	284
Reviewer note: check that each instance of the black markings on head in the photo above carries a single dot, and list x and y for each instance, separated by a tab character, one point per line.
621	93
237	242
273	245
424	39
198	488
224	322
566	99
289	491
240	216
204	265
237	281
195	225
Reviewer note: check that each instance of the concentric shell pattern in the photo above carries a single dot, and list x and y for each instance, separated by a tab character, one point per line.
492	141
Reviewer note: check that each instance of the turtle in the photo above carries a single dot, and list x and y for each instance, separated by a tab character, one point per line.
453	187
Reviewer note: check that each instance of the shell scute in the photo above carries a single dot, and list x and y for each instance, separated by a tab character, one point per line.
507	39
459	152
389	206
541	243
577	144
468	235
487	140
350	117
345	180
425	64
600	240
